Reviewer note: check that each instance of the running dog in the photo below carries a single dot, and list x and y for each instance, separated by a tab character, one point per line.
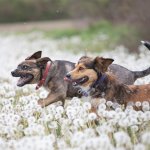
95	79
50	74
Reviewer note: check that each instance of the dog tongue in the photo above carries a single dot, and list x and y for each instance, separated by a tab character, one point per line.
66	79
21	81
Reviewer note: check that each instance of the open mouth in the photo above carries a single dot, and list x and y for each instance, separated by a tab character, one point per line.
79	81
24	78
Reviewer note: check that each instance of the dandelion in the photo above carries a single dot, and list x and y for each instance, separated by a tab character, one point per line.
92	116
145	107
139	147
43	94
59	109
138	104
109	103
122	138
145	138
87	106
101	107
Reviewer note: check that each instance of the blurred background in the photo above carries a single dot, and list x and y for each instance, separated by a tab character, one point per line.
99	24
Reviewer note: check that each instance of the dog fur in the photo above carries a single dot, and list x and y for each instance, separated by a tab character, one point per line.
110	87
32	68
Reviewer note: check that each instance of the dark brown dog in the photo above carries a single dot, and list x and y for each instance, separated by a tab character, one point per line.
98	82
32	69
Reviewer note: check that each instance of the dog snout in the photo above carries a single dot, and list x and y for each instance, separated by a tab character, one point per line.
13	73
68	75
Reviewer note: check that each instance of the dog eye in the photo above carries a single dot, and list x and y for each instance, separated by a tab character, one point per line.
81	68
24	67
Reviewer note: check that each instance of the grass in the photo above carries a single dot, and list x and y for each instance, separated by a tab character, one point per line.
101	36
98	37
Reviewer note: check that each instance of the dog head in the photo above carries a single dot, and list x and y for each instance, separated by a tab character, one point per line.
30	70
87	69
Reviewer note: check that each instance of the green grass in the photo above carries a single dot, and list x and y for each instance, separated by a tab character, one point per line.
98	37
101	36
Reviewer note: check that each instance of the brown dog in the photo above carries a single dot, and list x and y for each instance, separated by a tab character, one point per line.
35	70
50	74
97	82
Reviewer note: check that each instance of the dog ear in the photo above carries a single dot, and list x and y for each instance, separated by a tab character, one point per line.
36	55
101	64
41	62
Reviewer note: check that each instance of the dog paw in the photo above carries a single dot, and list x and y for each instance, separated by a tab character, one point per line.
41	103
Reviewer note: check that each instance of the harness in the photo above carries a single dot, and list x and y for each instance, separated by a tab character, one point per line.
99	84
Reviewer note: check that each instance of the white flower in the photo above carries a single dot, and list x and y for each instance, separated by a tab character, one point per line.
122	138
145	107
59	109
145	138
43	94
102	100
78	122
139	147
134	128
92	116
87	106
101	107
138	104
109	103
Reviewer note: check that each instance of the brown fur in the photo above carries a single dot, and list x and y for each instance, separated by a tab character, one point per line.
126	93
58	89
114	90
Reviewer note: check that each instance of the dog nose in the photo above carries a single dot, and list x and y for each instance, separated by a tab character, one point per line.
68	75
12	73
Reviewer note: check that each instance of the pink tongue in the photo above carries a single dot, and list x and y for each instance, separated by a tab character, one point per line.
66	79
21	80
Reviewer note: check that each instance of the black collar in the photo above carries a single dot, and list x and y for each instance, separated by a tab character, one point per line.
101	81
98	85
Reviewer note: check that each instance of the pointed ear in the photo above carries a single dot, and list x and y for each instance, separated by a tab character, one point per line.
41	62
36	55
101	64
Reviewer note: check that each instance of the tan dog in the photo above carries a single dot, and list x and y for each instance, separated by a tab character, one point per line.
99	83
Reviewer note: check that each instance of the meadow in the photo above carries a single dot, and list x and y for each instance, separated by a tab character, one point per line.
25	125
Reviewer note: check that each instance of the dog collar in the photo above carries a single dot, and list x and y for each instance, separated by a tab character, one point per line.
41	82
100	81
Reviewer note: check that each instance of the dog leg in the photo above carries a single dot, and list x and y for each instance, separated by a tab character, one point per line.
51	98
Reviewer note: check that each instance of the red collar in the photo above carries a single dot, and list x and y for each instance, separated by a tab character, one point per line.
41	82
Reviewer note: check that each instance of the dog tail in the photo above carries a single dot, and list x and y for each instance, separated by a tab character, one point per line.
146	43
143	73
140	74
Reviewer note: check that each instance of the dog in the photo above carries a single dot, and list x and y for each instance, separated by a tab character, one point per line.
37	70
146	43
32	71
93	77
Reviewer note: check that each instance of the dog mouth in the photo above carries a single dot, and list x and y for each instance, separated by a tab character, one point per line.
79	81
24	78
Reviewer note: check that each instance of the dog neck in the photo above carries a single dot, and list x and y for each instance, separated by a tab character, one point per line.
100	85
108	87
100	82
51	73
45	75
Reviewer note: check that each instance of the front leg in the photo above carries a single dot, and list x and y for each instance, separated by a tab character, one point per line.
51	98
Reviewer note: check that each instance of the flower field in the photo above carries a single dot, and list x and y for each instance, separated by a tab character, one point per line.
25	125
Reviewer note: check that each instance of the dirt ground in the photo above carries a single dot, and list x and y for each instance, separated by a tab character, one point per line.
43	25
